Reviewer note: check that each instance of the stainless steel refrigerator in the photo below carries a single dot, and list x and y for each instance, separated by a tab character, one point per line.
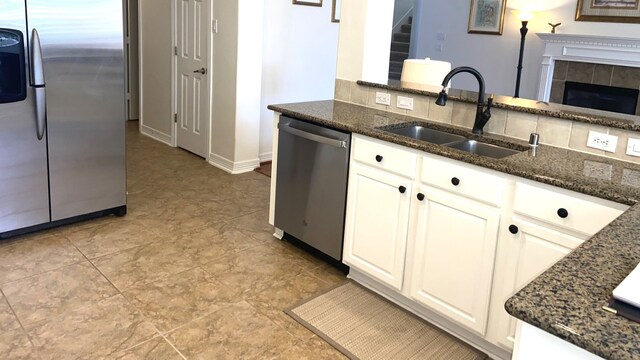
62	112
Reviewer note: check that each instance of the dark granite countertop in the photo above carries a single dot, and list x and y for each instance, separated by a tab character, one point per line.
569	295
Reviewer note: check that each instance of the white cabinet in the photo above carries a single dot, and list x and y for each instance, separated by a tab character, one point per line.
455	243
376	225
452	234
547	223
531	250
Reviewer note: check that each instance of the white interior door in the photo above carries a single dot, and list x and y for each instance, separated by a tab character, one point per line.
193	18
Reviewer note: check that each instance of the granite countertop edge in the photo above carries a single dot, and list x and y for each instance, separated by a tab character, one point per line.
542	299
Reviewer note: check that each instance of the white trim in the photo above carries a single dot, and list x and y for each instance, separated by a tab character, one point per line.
264	157
155	134
233	167
274	169
174	75
584	48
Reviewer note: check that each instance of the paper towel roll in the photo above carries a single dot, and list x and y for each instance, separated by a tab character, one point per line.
424	74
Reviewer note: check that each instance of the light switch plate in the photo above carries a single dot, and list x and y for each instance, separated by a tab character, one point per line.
404	103
633	147
602	141
383	98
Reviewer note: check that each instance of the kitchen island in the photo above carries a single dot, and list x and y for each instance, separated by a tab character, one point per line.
567	299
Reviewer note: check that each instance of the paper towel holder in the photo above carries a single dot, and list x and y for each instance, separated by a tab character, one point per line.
423	74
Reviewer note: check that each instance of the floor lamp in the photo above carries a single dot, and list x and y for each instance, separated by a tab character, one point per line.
524	17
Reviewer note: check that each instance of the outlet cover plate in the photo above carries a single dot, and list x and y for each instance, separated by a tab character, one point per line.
633	147
383	98
404	103
602	141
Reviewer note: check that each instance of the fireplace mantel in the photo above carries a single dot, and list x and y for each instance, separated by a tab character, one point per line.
584	48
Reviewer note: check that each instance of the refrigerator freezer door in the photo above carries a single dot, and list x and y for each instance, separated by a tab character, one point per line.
82	54
24	189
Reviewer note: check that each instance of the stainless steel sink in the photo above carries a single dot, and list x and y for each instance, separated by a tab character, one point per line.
474	147
426	134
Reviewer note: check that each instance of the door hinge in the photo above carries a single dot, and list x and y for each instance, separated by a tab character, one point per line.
175	50
175	118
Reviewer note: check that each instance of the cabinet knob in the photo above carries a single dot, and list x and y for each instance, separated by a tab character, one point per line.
455	181
563	213
379	158
402	189
420	196
513	229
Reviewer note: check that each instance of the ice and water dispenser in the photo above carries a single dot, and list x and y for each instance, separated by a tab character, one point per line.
13	82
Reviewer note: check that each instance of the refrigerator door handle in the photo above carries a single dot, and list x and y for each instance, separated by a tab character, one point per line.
36	72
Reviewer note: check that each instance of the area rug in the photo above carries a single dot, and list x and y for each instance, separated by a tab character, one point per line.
365	326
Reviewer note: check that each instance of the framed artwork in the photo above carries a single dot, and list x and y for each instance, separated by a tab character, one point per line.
620	11
308	2
487	17
335	11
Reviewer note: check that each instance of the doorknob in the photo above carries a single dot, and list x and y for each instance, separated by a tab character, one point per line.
201	71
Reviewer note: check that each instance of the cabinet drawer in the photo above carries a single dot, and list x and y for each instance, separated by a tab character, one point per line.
385	156
464	179
578	212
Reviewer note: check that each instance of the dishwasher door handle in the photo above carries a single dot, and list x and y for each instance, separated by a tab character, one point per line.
312	137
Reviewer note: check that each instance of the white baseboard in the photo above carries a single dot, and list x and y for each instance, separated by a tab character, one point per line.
155	134
264	157
231	167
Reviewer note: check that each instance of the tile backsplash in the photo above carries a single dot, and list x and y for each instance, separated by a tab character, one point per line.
553	131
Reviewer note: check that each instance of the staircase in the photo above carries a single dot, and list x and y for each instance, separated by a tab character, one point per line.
400	49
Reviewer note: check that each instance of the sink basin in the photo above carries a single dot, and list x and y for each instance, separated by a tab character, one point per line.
426	134
474	147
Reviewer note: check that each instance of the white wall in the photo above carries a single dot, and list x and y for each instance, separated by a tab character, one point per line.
299	57
495	56
401	8
249	80
223	77
156	69
364	40
264	53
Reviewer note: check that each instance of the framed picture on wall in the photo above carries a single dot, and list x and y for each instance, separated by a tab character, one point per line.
308	2
620	11
335	11
486	17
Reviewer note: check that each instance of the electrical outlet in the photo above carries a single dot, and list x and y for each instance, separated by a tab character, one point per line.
633	147
602	141
441	36
383	98
404	103
439	47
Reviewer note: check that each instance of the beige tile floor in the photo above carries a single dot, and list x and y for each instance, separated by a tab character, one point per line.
191	272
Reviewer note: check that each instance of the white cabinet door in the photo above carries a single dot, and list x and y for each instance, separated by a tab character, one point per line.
376	224
532	249
455	244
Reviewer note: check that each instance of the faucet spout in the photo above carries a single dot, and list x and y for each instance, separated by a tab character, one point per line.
482	114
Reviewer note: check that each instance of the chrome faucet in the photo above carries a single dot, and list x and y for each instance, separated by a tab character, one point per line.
482	114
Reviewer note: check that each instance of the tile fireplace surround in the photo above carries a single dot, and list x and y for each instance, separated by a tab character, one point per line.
587	57
590	73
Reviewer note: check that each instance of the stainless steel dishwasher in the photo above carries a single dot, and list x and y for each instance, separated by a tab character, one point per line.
311	184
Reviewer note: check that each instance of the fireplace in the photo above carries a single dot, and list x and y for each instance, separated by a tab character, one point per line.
601	97
610	62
